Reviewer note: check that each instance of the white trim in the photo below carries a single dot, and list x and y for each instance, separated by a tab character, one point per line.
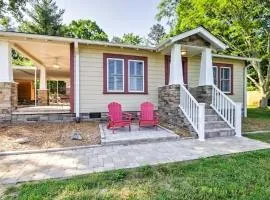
136	91
123	67
77	79
218	44
24	67
236	57
230	76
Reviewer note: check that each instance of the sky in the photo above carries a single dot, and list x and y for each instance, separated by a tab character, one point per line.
115	17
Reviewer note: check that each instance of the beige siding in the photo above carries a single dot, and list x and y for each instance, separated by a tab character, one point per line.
238	75
92	98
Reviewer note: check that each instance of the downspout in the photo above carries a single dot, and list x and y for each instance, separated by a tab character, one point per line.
77	81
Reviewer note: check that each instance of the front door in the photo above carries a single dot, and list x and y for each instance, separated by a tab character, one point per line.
167	69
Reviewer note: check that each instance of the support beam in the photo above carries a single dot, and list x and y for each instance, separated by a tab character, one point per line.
77	80
176	69
43	79
206	70
6	72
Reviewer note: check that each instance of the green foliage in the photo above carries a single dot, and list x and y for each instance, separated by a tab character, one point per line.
157	33
5	24
167	11
45	18
131	38
19	60
220	177
116	40
85	29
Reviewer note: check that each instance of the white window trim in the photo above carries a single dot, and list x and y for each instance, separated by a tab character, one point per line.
216	75
135	91
230	75
123	66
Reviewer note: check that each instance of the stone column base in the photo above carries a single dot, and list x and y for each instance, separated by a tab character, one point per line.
169	110
8	100
203	94
43	97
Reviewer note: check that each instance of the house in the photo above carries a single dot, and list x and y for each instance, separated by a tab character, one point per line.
102	72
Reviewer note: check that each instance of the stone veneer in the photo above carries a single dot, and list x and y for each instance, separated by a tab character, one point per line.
168	108
8	100
203	94
43	97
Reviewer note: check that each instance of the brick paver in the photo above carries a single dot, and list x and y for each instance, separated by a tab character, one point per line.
27	167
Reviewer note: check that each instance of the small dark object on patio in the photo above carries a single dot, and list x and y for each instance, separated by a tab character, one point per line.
22	140
76	136
78	120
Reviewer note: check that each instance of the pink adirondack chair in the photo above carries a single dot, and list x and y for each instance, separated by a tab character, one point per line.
147	116
117	118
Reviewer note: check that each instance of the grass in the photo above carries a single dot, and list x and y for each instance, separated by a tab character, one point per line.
264	137
257	120
240	176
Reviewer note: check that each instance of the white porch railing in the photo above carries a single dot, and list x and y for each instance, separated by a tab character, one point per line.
228	110
194	111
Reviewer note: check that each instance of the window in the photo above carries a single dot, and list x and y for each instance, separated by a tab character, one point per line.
223	77
215	75
115	75
124	74
136	75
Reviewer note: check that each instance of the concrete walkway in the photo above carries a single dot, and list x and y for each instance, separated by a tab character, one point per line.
20	168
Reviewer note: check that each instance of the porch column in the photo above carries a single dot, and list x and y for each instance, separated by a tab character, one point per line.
206	70
176	69
8	89
43	97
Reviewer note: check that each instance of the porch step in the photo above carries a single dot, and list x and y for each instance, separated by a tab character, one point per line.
215	124
219	132
212	118
210	111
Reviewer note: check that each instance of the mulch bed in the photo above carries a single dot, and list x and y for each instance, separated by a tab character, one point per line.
47	135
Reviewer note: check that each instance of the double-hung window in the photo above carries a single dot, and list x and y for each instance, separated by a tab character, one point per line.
115	69
124	74
223	77
136	75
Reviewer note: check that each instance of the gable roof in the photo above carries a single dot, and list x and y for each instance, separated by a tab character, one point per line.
202	32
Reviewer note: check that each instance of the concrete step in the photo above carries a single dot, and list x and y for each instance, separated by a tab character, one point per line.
213	117
210	111
215	124
219	132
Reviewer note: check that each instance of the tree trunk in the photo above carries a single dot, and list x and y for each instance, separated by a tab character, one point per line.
264	101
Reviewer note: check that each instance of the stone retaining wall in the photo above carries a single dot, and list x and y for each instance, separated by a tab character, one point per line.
46	117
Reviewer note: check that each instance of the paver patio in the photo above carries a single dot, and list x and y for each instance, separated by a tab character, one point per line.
27	167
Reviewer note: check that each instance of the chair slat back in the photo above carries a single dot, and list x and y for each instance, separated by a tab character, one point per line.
147	111
115	111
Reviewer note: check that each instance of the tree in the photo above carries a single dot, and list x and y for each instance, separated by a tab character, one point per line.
5	24
167	11
131	38
116	39
157	32
243	25
85	29
45	18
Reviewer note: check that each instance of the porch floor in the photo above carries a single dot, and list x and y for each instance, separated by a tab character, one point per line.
42	109
145	134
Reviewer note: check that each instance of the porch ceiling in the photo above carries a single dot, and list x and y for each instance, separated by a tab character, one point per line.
46	54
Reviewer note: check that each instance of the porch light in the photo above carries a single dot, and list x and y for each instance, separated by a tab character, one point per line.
184	52
56	66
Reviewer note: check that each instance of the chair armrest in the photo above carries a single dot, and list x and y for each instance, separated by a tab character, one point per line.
127	115
156	115
139	115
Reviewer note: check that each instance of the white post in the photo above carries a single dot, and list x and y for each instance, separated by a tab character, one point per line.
238	119
6	72
201	124
77	80
43	79
176	69
206	70
35	87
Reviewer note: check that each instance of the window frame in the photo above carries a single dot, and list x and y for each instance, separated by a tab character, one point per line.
123	67
126	59
137	91
230	79
224	65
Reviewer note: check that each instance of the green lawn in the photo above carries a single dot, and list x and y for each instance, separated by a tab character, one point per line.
257	120
240	176
264	137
